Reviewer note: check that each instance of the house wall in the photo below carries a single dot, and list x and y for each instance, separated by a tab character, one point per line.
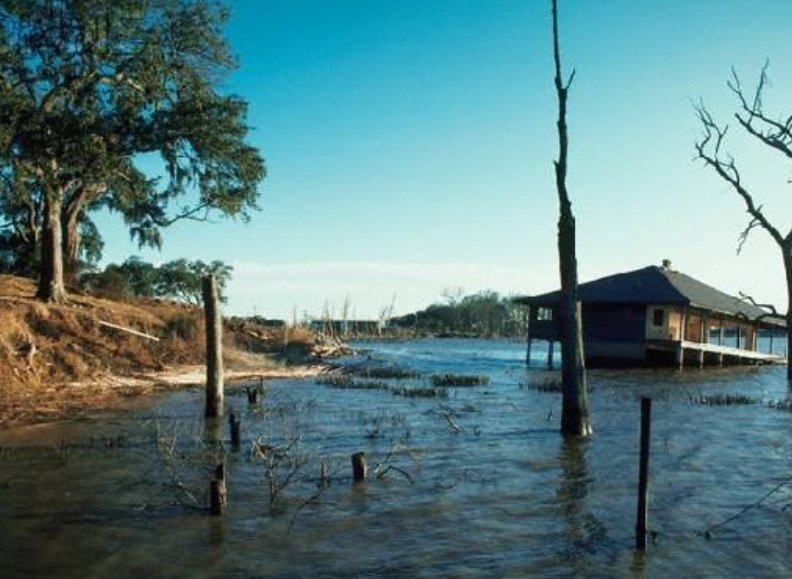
613	323
670	329
543	323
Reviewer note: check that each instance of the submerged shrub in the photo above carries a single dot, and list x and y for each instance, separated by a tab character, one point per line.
726	400
449	379
347	383
546	383
382	372
423	392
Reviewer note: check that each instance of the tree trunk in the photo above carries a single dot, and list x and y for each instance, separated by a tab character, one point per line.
71	244
51	287
787	252
574	411
70	220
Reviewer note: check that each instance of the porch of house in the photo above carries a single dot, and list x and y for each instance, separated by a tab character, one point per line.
700	354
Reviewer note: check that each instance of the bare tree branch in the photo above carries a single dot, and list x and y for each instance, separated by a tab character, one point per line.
775	134
745	233
749	299
709	151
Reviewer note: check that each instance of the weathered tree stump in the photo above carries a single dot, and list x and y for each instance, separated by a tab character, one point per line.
252	395
235	425
214	349
218	500
359	468
324	480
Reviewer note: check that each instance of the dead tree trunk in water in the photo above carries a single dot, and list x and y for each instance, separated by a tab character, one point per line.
214	348
574	410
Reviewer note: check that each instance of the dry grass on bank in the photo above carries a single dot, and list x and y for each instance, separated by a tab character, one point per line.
59	360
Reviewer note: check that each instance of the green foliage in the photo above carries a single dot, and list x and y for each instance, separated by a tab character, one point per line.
180	280
92	92
112	282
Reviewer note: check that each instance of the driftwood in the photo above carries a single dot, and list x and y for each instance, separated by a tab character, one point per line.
128	330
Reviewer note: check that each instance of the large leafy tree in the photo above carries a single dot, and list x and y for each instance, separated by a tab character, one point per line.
90	90
180	279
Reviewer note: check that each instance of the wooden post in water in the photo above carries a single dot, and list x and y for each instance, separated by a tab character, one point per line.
214	349
218	500
252	395
359	468
643	475
324	480
236	427
550	344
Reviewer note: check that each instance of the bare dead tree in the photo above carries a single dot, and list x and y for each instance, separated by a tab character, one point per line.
769	131
574	410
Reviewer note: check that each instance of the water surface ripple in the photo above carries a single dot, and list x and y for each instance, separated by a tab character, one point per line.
476	484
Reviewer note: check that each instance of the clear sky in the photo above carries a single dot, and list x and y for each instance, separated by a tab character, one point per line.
409	145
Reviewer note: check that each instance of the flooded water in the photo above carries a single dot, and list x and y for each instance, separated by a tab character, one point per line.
475	484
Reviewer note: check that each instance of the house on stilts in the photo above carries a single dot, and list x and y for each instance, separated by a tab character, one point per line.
658	316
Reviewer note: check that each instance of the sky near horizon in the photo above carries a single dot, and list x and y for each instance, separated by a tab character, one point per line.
409	147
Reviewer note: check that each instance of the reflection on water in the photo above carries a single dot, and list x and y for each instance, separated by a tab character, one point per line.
476	484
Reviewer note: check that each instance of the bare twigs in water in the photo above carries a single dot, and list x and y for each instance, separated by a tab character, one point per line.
711	530
175	464
281	465
450	418
386	465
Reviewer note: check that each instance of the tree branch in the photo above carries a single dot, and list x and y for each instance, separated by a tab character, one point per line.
709	151
776	134
771	309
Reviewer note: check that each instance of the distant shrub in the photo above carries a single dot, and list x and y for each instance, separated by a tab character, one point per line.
111	283
183	326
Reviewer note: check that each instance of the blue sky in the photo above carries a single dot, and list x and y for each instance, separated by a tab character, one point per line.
409	146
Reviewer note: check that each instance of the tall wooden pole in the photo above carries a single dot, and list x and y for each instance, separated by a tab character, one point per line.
214	349
643	475
574	410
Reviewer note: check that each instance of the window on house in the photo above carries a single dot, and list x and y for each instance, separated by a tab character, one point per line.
544	314
658	317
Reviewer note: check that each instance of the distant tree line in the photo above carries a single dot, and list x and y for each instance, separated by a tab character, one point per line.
485	314
179	280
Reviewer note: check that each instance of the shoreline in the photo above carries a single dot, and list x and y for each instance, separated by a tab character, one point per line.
52	403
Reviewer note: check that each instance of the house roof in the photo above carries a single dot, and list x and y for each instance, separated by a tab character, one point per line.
656	285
